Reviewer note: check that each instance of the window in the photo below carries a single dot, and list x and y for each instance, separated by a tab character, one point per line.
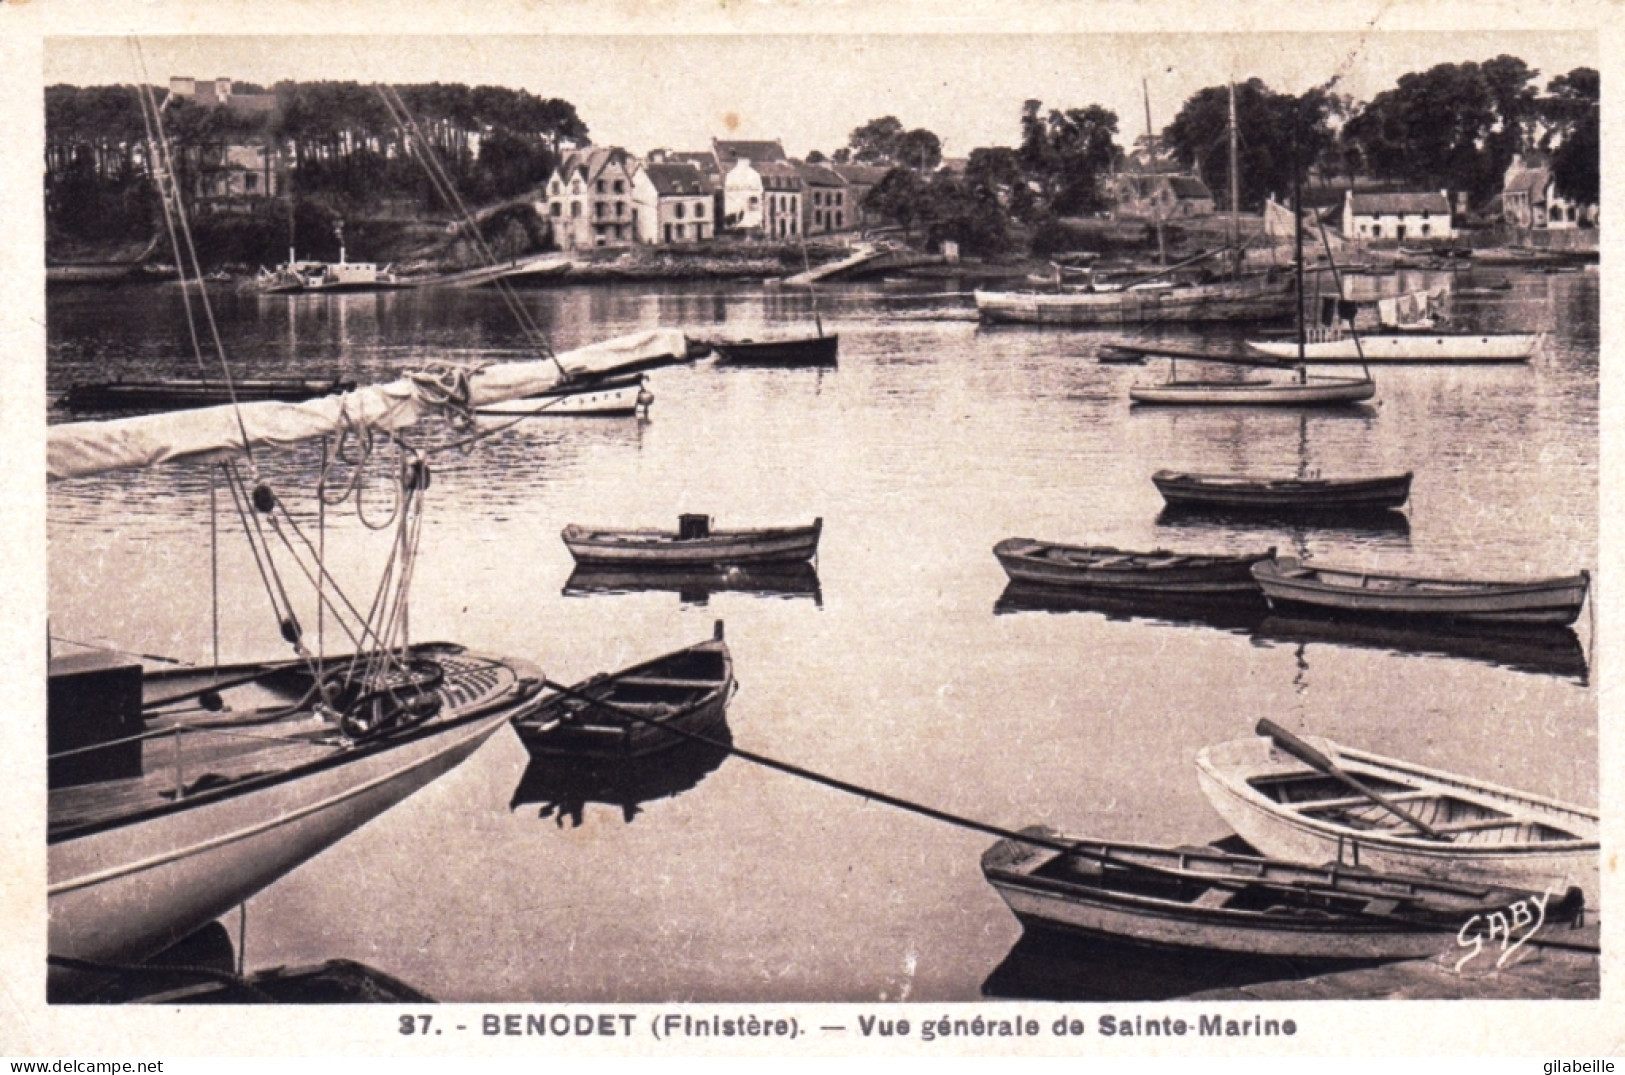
620	210
598	209
575	209
620	187
679	210
1426	228
840	218
699	210
558	208
602	187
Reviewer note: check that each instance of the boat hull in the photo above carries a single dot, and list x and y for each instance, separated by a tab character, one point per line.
650	548
610	399
1231	493
1226	773
183	394
680	695
1407	347
122	894
811	351
1114	570
1288	584
1249	301
1165	899
1325	392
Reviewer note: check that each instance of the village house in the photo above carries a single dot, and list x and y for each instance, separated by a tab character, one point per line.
1529	199
860	180
589	199
824	206
1160	196
1398	216
742	191
782	199
673	203
242	165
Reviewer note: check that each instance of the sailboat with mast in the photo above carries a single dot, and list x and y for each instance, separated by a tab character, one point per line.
175	795
1161	296
1303	390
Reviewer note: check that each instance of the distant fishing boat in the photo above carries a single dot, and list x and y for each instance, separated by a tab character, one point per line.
791	351
1288	582
1236	492
1245	906
632	712
1105	568
1419	820
296	276
693	543
183	393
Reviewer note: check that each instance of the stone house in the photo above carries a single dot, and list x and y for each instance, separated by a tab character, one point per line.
1160	196
1529	199
825	207
783	199
1399	216
589	199
673	203
860	180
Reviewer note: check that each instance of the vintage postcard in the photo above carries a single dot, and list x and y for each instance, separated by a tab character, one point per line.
686	528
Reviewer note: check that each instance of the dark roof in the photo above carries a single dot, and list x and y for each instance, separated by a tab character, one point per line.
817	175
1531	180
755	152
1186	186
705	162
591	162
778	176
866	175
1432	201
678	179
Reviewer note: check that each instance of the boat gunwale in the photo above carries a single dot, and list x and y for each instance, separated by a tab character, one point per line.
1273	570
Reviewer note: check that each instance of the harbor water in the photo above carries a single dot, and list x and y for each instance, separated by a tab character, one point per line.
907	668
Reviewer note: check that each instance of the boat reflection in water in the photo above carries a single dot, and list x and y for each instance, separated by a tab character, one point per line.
1237	613
203	969
1358	523
1541	649
562	786
694	586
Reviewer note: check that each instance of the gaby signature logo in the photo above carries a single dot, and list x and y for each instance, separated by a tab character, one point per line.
1512	928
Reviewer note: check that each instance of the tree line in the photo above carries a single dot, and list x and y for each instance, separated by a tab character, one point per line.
1454	126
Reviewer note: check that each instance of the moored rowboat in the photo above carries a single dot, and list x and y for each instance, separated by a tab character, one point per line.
1491	834
694	543
627	713
1210	901
805	351
1101	567
1289	582
1235	492
1321	391
181	393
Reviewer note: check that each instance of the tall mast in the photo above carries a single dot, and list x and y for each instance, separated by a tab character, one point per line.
1151	161
1297	247
1235	187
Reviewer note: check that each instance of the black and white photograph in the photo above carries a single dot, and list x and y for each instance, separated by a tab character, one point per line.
808	532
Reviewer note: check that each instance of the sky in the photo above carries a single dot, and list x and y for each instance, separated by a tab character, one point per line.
811	90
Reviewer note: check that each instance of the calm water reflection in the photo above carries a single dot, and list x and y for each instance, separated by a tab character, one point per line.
933	440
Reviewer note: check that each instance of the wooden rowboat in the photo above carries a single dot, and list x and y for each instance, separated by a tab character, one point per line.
802	351
1236	492
1211	901
1100	567
1488	834
175	796
1314	392
693	544
626	714
1289	582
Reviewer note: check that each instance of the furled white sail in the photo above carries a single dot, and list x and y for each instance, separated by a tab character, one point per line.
81	449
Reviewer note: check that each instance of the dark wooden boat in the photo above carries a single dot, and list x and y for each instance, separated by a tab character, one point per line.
184	393
695	585
1288	582
694	544
796	351
1100	567
625	714
1206	900
1236	492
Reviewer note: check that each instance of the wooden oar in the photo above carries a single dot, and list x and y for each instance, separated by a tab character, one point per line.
1316	760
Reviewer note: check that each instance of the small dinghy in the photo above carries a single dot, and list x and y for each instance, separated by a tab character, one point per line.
627	713
1237	492
1100	567
1289	582
694	543
799	351
1313	800
1202	899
